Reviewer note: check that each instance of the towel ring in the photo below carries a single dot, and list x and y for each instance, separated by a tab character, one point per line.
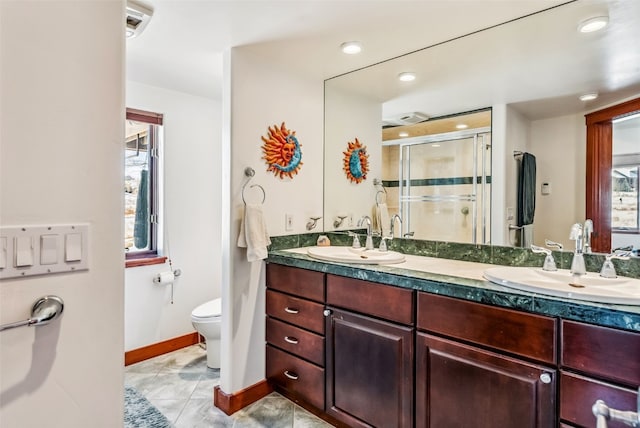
264	194
379	192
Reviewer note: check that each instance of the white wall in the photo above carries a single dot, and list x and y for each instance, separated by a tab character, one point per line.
190	217
560	149
61	131
261	94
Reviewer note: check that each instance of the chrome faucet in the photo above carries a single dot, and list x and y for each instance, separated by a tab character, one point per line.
383	240
588	230
366	219
608	269
549	263
577	264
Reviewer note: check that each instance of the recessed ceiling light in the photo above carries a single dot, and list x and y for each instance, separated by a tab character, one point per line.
593	24
435	145
403	134
462	126
351	48
588	97
407	76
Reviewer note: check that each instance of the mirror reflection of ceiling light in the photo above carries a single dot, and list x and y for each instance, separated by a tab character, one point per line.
403	134
351	48
462	126
407	76
588	97
593	24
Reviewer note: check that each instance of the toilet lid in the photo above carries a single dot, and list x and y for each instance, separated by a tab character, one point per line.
212	308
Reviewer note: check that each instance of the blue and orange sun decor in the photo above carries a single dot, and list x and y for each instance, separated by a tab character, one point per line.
282	151
356	162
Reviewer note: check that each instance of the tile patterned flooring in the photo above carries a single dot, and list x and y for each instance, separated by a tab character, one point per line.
181	386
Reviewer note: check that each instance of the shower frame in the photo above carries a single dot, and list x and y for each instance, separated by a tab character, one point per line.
479	190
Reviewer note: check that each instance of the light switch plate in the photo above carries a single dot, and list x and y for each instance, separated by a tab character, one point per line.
38	249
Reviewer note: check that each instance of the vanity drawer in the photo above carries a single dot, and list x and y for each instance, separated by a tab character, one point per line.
578	394
305	344
296	376
379	300
300	312
601	351
301	282
528	335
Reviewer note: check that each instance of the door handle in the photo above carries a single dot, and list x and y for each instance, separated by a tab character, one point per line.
44	310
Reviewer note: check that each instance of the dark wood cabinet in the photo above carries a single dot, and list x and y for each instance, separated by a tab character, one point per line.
458	385
482	366
369	371
365	354
295	333
598	363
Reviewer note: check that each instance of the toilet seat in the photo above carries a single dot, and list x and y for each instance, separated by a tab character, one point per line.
208	310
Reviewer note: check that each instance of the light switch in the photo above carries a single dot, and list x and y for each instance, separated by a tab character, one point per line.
48	249
23	251
3	252
73	247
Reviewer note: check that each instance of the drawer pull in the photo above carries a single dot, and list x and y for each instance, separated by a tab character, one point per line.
290	375
291	310
291	340
545	378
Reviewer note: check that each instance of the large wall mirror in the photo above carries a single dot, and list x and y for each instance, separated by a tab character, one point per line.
444	150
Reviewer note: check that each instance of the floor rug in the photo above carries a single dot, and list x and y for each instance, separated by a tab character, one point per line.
140	413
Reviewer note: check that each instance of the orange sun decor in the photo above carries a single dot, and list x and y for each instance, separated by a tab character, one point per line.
282	151
356	162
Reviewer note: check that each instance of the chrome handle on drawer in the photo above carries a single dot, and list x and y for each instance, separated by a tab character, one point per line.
291	310
291	340
545	378
290	375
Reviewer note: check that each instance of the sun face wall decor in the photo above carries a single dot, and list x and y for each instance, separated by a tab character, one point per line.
282	151
356	162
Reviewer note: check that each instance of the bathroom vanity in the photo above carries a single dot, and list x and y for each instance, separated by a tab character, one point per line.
385	346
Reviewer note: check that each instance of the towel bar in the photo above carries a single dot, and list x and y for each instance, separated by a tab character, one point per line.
44	310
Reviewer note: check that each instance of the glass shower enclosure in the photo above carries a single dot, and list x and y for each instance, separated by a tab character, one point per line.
442	185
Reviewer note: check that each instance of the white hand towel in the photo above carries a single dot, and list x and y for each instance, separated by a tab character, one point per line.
253	233
385	220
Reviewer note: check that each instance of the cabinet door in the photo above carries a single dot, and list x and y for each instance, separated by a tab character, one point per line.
369	367
461	386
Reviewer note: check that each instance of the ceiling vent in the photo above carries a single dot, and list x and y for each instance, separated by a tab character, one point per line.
405	119
138	16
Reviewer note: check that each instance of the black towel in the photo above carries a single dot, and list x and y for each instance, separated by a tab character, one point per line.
526	189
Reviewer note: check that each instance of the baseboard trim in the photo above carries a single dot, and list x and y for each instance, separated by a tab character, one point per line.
160	348
231	403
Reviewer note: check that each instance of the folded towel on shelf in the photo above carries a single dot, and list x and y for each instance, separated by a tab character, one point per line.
383	220
253	233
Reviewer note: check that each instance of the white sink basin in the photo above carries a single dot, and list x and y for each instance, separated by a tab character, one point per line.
355	255
591	287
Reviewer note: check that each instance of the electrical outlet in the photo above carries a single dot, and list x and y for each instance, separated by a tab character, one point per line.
288	222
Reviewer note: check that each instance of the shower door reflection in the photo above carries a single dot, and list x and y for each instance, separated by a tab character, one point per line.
441	185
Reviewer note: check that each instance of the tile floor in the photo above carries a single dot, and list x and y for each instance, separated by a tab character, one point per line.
181	386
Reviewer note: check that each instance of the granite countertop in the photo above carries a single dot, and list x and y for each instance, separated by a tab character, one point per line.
463	279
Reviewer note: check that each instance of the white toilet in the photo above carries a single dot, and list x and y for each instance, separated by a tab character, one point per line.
206	320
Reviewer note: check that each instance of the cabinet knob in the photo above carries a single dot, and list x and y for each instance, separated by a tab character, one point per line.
545	378
291	310
291	340
291	375
327	312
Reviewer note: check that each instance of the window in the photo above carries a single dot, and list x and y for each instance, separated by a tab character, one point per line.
624	217
141	184
624	174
